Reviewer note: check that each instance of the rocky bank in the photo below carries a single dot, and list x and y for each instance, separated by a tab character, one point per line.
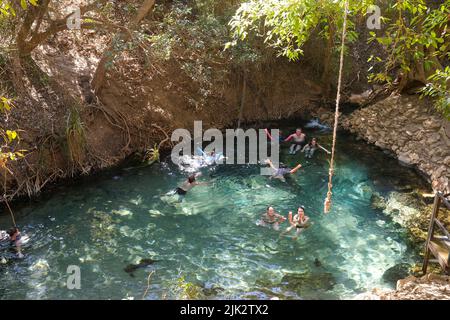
429	287
409	129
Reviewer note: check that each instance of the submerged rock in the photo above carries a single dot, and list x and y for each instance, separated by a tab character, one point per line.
309	285
395	273
131	268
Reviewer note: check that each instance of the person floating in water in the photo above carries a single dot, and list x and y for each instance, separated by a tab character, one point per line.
280	173
299	222
311	147
271	218
189	184
15	240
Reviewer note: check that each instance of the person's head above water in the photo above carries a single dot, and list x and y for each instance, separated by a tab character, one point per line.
191	178
298	131
313	141
270	211
12	231
301	211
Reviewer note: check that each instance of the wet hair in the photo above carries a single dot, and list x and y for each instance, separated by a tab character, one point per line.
269	208
313	139
12	231
191	178
299	129
301	207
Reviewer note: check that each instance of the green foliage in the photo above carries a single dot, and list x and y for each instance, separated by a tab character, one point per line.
152	155
417	41
438	88
287	25
6	8
186	290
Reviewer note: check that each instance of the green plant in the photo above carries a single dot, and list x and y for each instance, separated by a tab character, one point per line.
152	155
187	290
417	43
438	88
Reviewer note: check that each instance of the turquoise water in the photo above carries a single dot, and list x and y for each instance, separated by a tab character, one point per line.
212	240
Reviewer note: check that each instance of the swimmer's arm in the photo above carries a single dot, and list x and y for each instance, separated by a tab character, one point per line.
201	151
289	138
304	148
281	218
268	134
290	219
324	149
295	169
269	162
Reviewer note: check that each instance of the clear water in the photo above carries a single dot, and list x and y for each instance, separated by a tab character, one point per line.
212	240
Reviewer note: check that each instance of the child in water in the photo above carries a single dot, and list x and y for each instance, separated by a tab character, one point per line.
311	147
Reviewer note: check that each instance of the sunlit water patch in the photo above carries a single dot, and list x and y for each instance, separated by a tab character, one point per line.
212	239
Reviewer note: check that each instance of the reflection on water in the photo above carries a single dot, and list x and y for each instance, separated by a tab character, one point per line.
212	238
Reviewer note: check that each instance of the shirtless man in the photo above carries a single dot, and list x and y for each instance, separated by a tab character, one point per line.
298	141
188	184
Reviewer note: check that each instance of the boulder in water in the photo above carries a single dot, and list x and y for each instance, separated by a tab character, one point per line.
395	273
309	285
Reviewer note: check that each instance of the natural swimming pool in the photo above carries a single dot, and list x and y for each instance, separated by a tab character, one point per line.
107	222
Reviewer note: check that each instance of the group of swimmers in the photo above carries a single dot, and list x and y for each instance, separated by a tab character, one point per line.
298	142
299	221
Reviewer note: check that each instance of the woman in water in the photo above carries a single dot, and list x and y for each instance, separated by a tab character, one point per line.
299	140
271	218
311	147
299	222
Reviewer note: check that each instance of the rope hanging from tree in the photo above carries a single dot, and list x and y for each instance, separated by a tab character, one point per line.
11	212
327	204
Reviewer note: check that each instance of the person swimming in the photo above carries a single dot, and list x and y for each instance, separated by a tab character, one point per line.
280	173
299	222
271	218
311	147
299	140
15	240
188	184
